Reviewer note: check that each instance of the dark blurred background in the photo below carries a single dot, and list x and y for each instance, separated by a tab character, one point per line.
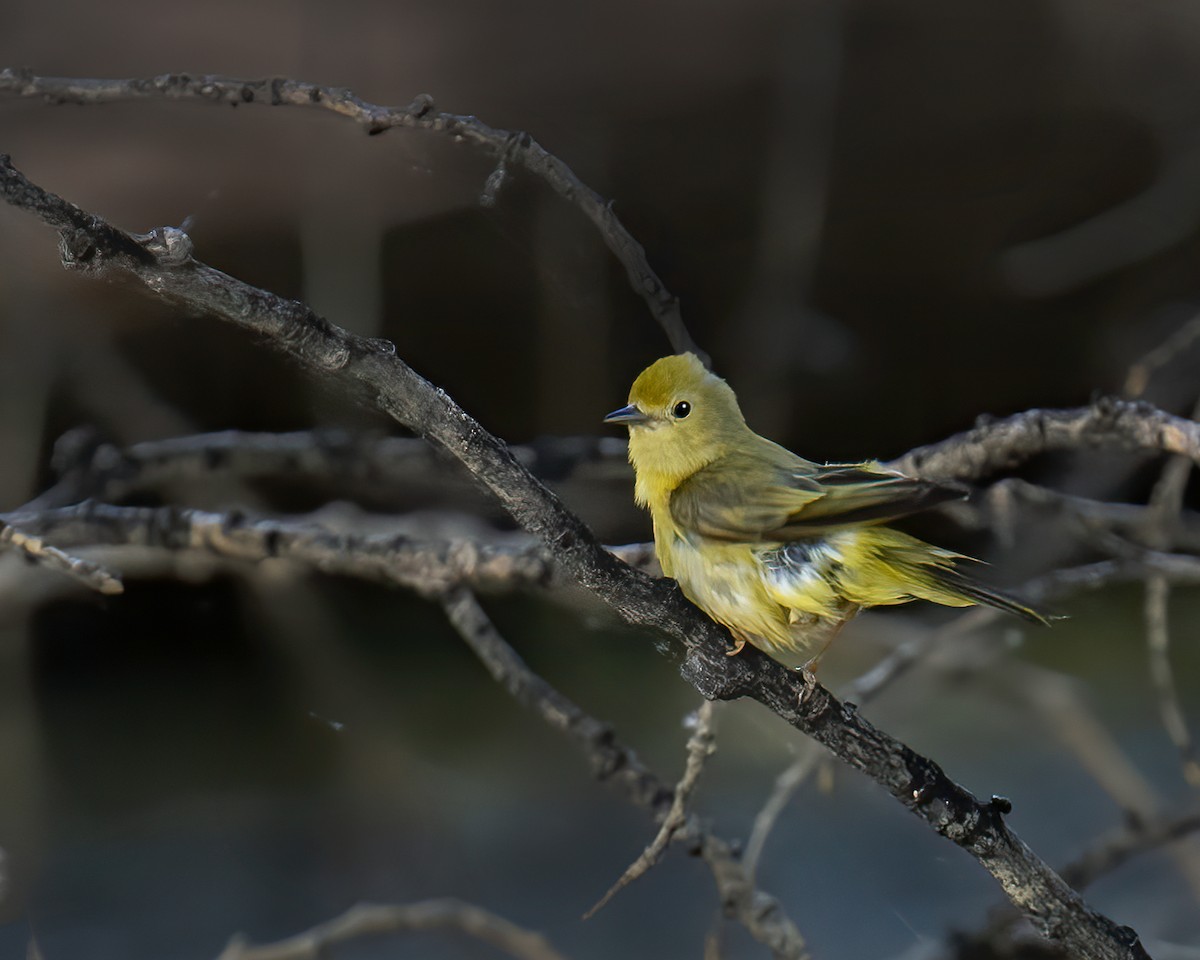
883	220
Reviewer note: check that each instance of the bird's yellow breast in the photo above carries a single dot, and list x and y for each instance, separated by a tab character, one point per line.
738	585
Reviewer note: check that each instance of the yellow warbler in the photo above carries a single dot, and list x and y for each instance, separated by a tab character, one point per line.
779	549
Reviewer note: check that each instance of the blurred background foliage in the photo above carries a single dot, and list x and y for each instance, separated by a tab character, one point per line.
883	219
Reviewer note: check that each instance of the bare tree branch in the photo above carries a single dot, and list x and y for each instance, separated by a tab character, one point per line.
1142	371
1116	849
373	920
509	148
784	788
611	761
995	445
428	567
1130	521
700	746
1166	505
36	550
1158	643
370	370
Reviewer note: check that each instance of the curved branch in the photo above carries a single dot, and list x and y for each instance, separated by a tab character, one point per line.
373	920
162	262
995	445
506	146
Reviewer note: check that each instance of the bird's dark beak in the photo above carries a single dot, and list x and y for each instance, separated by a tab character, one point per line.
629	415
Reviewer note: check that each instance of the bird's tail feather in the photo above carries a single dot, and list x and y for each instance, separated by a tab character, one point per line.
978	593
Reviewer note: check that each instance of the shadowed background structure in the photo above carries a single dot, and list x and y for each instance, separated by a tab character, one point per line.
883	221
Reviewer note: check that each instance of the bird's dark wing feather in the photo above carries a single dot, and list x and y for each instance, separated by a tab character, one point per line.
750	502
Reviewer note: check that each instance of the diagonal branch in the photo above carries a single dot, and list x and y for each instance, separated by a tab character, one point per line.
1110	852
36	550
612	761
700	747
370	370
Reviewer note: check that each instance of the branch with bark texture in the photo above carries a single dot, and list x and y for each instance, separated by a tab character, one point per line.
162	261
426	566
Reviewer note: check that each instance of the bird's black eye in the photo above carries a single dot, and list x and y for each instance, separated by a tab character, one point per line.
682	409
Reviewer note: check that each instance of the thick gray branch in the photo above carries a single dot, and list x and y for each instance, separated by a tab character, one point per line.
371	370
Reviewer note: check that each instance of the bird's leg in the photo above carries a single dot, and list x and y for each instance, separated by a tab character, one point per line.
811	664
739	643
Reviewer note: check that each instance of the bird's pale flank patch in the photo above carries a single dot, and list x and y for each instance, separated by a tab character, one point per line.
779	549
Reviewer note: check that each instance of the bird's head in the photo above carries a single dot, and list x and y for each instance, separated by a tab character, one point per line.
680	416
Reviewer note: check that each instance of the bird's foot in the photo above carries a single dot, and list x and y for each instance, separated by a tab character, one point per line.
739	644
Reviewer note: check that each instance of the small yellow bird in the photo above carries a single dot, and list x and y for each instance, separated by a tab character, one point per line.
781	550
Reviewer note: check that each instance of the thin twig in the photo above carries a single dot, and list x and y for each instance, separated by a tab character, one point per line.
1166	505
1112	851
36	550
1158	645
786	784
1129	521
1142	371
700	747
373	920
507	147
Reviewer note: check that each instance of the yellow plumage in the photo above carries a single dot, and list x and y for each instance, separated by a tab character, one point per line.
780	550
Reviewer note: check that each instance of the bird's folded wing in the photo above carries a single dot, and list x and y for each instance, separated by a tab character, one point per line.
789	503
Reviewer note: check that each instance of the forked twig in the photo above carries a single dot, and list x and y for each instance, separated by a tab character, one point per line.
700	747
